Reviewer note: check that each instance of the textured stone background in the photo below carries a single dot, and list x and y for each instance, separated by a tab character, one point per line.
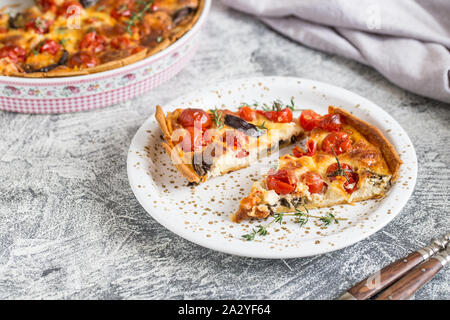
70	226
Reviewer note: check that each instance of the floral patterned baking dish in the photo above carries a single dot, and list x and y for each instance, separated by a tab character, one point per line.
87	92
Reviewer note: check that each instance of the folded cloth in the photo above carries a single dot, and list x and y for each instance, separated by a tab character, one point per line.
407	41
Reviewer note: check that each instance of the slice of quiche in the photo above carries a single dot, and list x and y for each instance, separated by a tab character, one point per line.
341	159
204	144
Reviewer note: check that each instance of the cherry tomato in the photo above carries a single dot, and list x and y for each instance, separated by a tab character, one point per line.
311	147
39	25
83	59
70	8
120	42
13	52
192	117
93	42
314	181
193	140
247	113
309	119
122	11
339	141
235	138
353	178
47	5
281	181
330	122
50	46
282	116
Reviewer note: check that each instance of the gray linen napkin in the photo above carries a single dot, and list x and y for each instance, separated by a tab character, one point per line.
407	41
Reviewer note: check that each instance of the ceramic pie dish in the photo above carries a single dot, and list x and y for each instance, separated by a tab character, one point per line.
96	90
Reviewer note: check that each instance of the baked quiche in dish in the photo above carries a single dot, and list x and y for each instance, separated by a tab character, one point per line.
208	143
58	38
341	159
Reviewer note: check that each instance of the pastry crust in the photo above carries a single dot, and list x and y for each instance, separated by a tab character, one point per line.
374	136
187	171
66	72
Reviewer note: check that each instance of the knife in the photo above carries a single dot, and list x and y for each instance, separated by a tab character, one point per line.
386	276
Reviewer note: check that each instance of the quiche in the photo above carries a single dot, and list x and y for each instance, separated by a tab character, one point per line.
56	38
341	159
208	143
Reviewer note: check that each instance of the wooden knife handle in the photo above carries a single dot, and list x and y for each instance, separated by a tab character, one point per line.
380	280
406	286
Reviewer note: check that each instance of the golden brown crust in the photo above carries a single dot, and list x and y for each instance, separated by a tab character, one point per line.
122	62
169	146
374	136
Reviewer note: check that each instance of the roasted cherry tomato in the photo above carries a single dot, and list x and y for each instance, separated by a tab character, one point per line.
39	25
314	181
83	59
47	5
50	46
282	116
330	122
92	41
120	42
309	119
247	113
70	8
122	11
339	141
194	117
353	178
235	138
193	140
13	52
281	181
311	149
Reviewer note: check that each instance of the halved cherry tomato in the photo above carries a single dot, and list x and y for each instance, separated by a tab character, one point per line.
330	122
13	52
309	119
39	25
353	178
339	141
247	113
192	117
122	11
193	140
314	181
282	116
83	59
50	46
70	8
311	147
47	5
120	42
93	42
281	181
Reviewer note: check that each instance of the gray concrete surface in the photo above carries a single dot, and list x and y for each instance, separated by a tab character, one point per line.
71	228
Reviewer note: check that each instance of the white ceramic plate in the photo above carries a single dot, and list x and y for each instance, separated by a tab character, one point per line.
200	214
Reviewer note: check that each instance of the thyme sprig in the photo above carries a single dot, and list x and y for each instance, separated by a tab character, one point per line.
137	16
328	219
262	126
277	105
339	171
217	118
302	218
